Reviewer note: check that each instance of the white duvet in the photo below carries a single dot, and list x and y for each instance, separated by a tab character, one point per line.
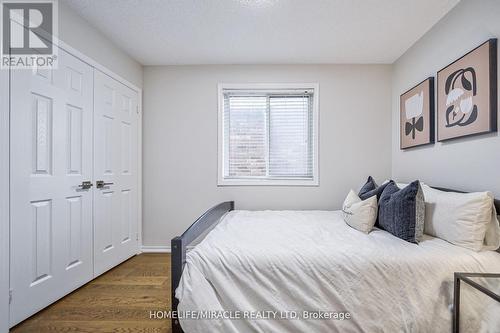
309	261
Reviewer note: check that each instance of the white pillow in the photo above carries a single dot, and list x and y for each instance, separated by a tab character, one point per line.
360	214
403	185
492	237
459	218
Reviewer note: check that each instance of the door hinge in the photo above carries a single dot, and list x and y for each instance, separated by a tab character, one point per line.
137	109
137	237
10	296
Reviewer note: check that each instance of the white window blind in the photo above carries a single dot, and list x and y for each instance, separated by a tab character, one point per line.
268	135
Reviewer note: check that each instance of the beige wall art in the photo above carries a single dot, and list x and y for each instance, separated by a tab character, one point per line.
417	115
467	94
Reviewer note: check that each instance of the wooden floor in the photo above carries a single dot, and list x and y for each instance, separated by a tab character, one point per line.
118	301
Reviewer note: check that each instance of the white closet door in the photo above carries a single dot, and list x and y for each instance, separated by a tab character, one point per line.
4	201
51	155
115	164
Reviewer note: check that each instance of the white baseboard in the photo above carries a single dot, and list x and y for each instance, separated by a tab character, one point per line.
155	249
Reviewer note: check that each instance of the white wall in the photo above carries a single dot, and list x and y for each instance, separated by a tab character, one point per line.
469	163
81	35
180	140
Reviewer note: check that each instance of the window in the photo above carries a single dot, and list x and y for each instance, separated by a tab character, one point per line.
268	134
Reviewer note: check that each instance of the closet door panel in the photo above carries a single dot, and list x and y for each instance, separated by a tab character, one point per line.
51	155
115	164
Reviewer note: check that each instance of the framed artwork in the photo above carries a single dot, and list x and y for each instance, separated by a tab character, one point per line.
467	94
417	115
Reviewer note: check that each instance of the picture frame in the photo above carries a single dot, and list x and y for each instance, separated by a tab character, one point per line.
417	115
467	94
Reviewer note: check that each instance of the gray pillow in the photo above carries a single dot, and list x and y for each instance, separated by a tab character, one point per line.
402	211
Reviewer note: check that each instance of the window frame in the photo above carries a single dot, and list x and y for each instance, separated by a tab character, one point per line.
267	181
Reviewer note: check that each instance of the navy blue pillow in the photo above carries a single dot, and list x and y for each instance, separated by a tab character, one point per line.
371	188
401	211
370	185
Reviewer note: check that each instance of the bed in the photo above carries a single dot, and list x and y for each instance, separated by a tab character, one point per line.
306	271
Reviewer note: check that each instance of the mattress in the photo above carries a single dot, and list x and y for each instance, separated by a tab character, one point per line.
308	271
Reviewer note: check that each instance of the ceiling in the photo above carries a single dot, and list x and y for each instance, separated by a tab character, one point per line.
172	32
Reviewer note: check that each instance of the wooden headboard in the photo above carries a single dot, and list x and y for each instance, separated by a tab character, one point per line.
496	201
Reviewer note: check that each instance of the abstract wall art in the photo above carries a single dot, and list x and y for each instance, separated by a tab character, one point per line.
417	115
467	94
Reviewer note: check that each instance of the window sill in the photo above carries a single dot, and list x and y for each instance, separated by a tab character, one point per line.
267	182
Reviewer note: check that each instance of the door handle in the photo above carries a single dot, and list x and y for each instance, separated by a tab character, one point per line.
85	185
101	184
